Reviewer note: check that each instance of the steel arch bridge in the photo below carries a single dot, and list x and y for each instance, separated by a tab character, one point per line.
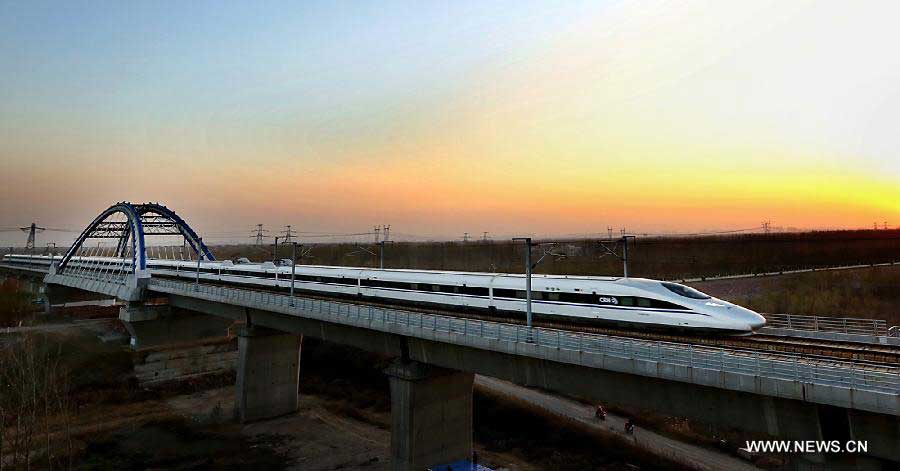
129	225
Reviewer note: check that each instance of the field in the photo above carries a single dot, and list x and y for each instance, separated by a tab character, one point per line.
872	293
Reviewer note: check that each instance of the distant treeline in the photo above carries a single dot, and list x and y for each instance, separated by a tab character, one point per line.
652	257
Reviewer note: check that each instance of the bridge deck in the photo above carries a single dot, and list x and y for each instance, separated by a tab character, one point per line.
842	384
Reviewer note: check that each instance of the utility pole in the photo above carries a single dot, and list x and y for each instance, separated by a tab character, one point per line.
275	250
528	267
259	234
288	234
52	253
293	268
31	231
624	256
381	252
199	256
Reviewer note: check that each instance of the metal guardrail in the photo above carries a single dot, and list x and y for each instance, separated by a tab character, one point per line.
778	366
844	325
788	271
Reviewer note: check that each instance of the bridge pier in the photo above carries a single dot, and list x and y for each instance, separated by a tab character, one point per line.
268	373
431	415
157	325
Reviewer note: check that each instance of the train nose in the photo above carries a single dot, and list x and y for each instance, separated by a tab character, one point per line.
754	320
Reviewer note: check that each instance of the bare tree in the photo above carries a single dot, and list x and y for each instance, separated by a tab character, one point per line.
33	404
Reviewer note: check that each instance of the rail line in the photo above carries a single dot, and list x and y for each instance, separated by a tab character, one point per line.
876	356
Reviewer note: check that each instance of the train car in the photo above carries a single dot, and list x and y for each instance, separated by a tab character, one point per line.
584	300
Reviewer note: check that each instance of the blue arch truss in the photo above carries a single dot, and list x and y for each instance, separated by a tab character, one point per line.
141	220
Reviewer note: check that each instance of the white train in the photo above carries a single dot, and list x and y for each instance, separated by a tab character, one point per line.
585	300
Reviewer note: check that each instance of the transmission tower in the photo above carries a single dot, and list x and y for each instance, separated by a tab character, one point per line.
260	234
376	230
386	232
765	226
465	236
31	231
288	234
484	237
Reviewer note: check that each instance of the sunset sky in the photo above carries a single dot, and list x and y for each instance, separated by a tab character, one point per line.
445	117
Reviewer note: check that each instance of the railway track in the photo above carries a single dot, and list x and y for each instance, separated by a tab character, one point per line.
878	356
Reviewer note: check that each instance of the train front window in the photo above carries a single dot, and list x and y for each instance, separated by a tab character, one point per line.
685	291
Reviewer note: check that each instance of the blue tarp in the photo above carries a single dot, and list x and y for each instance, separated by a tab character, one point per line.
462	465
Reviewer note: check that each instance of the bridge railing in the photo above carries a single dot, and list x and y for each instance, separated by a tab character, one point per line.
772	365
844	325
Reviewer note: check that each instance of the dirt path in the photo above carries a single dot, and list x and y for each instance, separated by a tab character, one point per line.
691	456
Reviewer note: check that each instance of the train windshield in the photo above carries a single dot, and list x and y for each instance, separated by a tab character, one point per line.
685	291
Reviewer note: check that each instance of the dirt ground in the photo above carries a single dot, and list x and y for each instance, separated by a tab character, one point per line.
196	430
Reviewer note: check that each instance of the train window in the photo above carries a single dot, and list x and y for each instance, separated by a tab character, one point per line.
685	291
435	287
643	302
577	298
665	305
504	293
552	296
449	289
475	290
520	294
626	301
385	284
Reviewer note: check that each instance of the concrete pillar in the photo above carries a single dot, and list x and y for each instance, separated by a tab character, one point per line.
431	415
268	373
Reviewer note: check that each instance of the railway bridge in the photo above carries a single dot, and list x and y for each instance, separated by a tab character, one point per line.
762	394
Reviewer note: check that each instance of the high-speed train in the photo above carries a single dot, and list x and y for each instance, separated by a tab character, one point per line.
585	300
